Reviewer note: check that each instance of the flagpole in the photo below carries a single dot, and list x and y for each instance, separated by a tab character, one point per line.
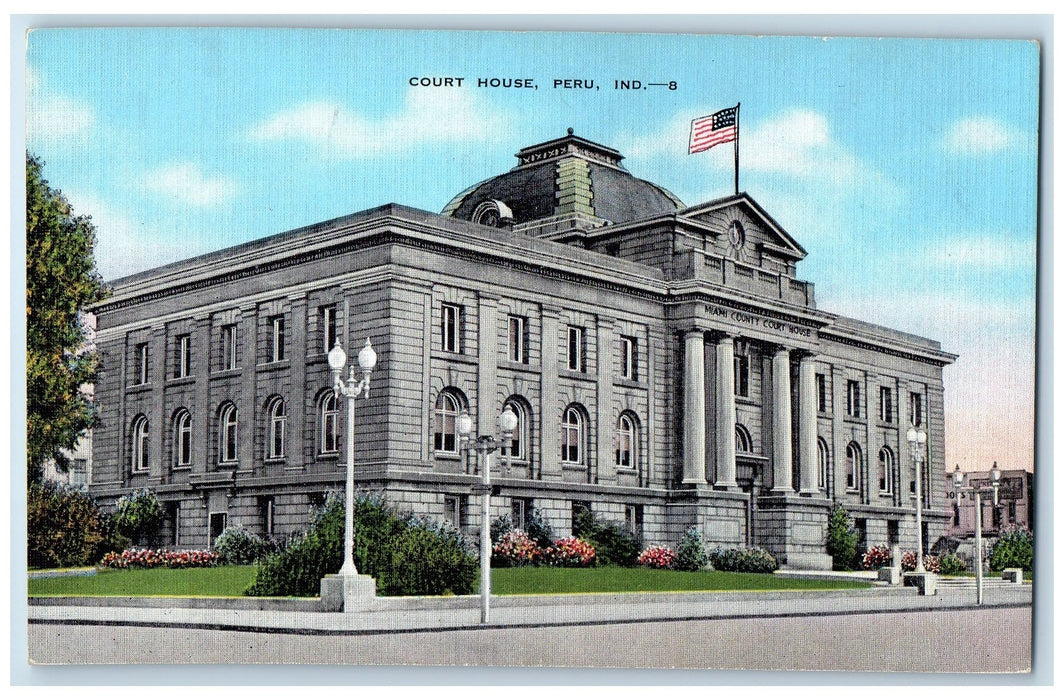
737	147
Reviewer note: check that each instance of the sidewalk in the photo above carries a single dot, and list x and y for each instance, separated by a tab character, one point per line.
445	613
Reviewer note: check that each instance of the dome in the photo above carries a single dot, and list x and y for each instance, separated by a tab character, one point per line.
566	177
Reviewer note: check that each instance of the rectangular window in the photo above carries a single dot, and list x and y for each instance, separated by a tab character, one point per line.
886	404
821	393
520	508
633	519
266	508
175	519
218	522
518	339
229	347
629	365
574	354
327	316
580	510
276	349
916	413
183	356
742	375
142	363
79	474
450	328
853	398
453	509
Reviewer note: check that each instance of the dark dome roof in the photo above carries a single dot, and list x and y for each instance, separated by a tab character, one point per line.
569	175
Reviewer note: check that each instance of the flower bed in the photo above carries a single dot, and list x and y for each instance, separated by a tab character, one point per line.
657	557
570	551
159	558
931	562
516	548
876	557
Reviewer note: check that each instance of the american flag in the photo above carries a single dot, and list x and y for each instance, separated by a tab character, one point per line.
707	132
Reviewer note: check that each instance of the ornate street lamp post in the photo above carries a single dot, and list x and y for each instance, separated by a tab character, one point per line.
367	360
977	491
484	446
917	448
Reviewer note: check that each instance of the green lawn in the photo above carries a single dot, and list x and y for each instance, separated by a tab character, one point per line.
232	580
213	581
610	579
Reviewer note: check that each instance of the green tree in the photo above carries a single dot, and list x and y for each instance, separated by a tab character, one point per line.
842	540
61	283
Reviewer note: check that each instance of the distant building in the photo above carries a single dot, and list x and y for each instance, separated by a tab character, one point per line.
80	470
667	366
1015	504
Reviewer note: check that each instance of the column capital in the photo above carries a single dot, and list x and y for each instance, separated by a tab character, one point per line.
719	336
804	354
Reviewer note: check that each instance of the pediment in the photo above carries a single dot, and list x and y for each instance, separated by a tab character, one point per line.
757	229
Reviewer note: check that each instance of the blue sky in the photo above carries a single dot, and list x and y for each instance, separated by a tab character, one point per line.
907	168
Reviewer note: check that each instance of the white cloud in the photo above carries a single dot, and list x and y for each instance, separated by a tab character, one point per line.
52	118
186	183
983	251
426	116
126	244
979	136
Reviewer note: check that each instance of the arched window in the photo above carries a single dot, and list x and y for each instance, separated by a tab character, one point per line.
822	463
328	424
138	454
627	442
275	428
853	467
519	447
445	427
886	471
573	436
743	442
182	438
227	438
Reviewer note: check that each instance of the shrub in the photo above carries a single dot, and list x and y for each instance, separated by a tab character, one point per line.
1013	550
657	557
500	526
691	552
424	562
613	542
842	540
516	549
876	557
159	558
571	552
138	516
754	560
65	527
538	529
406	555
238	546
951	565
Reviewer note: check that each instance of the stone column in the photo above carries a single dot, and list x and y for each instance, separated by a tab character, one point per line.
807	426
549	411
487	404
781	421
694	407
725	405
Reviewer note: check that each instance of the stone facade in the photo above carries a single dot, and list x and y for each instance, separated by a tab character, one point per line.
668	367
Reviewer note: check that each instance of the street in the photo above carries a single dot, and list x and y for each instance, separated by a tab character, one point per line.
991	640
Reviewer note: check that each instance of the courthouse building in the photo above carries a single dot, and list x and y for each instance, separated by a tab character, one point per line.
667	365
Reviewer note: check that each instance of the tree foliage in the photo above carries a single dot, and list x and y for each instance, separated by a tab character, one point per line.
61	283
842	540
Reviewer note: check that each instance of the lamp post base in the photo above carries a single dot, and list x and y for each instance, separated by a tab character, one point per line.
924	581
340	593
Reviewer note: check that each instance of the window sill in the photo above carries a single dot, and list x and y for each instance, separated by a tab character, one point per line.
273	366
178	381
567	373
570	466
448	456
274	461
328	456
137	388
887	424
453	357
223	373
181	468
630	383
627	470
518	366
